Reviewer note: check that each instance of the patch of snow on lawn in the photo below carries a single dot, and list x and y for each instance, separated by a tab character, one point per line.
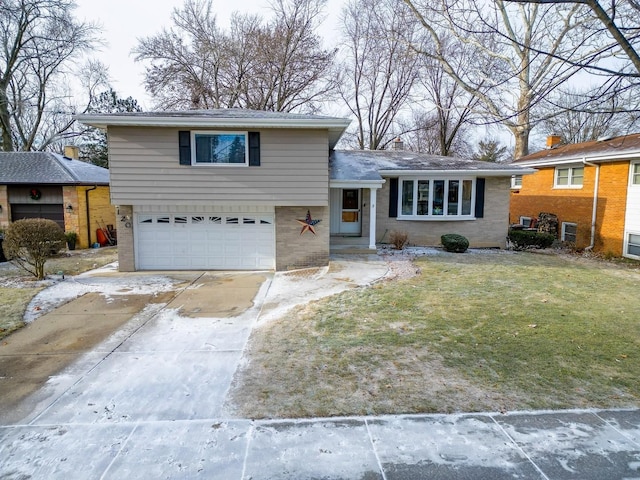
70	288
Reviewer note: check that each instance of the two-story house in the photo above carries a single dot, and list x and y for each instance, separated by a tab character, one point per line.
241	189
592	187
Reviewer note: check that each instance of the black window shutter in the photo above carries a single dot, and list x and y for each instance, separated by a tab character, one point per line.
254	149
184	147
479	197
393	198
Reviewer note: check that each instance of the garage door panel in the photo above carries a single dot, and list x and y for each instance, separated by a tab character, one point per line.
205	241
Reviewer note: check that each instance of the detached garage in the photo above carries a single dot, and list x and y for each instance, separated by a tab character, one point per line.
205	239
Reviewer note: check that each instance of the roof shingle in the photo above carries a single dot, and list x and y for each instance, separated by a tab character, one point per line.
606	149
49	168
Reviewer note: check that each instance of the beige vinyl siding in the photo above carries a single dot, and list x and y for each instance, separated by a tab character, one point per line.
145	171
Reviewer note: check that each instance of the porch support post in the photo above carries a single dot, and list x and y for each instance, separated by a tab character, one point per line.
372	218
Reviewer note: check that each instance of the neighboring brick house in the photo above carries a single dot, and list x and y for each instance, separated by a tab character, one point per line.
592	187
241	189
72	193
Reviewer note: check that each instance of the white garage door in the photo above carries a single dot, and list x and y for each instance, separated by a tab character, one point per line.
205	241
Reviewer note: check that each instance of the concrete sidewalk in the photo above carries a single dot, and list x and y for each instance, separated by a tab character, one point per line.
149	402
560	445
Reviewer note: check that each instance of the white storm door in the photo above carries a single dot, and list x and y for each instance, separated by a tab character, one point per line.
350	212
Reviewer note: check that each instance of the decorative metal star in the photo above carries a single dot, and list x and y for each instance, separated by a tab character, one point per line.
308	224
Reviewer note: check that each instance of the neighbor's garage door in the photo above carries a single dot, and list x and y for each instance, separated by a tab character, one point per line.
211	241
52	211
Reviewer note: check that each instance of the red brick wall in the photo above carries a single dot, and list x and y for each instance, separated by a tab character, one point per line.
576	205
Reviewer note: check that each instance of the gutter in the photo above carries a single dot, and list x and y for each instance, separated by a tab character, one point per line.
595	203
565	160
507	172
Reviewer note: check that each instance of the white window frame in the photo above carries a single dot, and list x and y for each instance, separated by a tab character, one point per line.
525	221
564	228
570	177
516	181
431	216
194	157
627	243
634	175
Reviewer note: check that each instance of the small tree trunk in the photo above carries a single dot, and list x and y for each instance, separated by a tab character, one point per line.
40	270
5	120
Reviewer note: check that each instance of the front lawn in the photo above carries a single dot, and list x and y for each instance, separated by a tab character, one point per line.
473	332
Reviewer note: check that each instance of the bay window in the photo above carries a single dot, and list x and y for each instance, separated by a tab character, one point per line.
423	199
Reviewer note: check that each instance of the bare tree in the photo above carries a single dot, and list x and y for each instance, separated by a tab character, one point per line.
454	108
624	29
378	67
437	133
583	124
506	76
39	42
278	65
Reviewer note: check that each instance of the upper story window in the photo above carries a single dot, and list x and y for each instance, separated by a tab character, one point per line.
569	177
516	181
635	174
422	199
219	148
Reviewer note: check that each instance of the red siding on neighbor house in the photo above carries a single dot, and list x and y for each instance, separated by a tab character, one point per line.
537	195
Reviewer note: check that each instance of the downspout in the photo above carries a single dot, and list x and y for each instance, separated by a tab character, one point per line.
595	203
86	199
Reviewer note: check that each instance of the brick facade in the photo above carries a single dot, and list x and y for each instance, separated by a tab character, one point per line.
537	195
72	216
294	250
487	232
101	212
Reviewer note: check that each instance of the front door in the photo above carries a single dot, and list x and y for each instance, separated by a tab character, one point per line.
350	217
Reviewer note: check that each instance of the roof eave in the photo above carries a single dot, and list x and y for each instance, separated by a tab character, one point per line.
566	159
103	121
486	173
375	184
335	126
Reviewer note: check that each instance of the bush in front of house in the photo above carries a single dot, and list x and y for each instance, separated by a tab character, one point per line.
28	243
523	239
399	239
452	242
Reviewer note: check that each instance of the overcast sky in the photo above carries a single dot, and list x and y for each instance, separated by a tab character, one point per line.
124	21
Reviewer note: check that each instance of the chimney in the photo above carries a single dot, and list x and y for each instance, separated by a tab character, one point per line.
71	151
398	144
553	141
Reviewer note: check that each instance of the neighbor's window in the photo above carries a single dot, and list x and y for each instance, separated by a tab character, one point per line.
635	174
633	245
568	177
219	148
526	221
569	231
430	198
516	181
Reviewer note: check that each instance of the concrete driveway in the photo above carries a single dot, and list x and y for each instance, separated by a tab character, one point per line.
148	401
147	346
